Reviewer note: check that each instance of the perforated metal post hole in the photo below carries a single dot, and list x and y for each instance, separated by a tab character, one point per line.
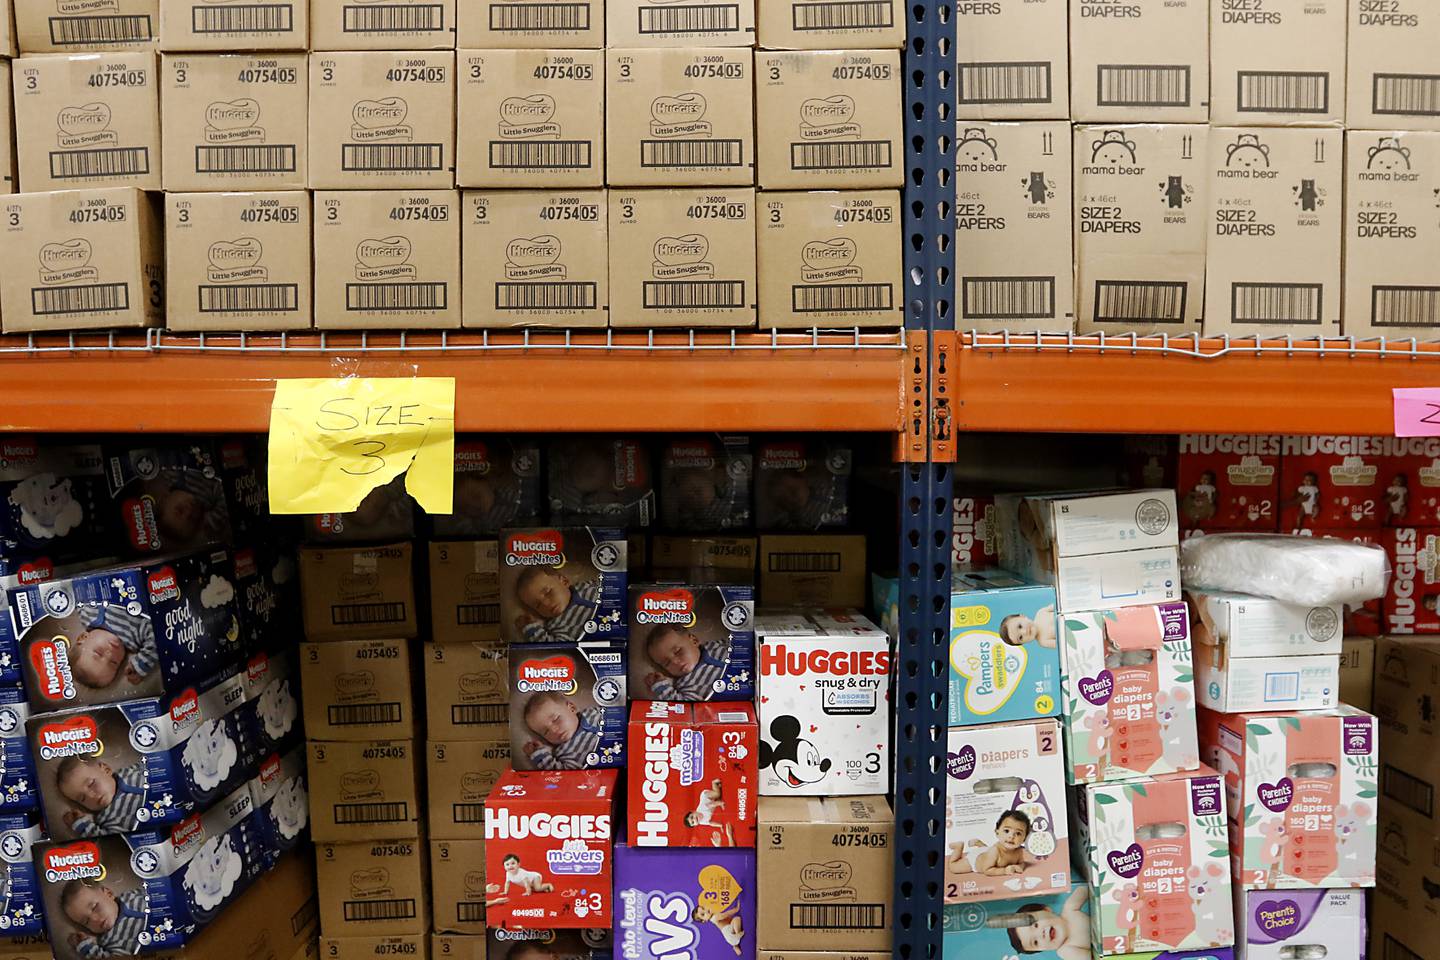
929	150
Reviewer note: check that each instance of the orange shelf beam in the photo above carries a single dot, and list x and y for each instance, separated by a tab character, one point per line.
1157	387
504	381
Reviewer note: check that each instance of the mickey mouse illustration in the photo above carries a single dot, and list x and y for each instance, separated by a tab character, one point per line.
1388	155
1247	151
794	760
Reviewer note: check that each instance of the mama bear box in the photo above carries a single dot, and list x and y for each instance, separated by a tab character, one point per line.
696	902
1004	649
548	849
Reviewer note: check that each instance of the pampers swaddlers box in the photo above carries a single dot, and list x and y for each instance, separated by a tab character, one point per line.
1004	649
1302	795
1291	925
1128	703
1006	833
697	902
1158	862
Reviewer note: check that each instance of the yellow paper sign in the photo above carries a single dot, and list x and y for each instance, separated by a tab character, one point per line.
333	441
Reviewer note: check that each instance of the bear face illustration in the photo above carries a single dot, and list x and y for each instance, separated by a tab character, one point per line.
975	147
1112	149
1388	156
1247	152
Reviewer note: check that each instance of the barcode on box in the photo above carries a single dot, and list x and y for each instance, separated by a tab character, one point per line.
841	297
1136	85
393	18
250	298
93	298
244	18
390	157
344	614
473	614
359	714
691	18
304	915
114	29
469	911
539	17
540	154
1276	302
858	15
1007	298
429	295
841	155
1149	301
379	909
804	563
1282	687
664	294
1395	950
552	295
246	158
478	714
691	153
1282	91
843	916
390	812
1410	791
468	812
104	162
1405	306
1406	94
1021	82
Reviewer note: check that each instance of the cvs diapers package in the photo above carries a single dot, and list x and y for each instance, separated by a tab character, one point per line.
1004	649
567	705
1128	702
692	642
559	585
694	902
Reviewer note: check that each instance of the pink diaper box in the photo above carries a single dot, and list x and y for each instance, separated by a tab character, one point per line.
1301	790
1158	864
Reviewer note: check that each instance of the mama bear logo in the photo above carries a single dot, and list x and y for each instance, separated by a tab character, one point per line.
234	121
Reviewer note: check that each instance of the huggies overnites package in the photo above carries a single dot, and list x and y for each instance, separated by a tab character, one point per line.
604	480
705	484
562	584
21	912
802	484
282	802
692	642
170	498
18	790
54	507
567	705
497	485
695	901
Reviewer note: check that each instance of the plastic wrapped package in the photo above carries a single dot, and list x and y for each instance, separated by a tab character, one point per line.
1307	570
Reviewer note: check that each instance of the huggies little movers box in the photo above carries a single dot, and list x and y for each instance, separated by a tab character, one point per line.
1004	651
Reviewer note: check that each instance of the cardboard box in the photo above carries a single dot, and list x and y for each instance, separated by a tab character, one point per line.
1140	253
1005	807
562	585
1278	63
1276	926
587	944
8	181
692	642
206	25
497	485
541	124
834	119
238	261
1004	649
372	889
602	479
355	593
1269	683
705	484
466	690
374	948
461	774
387	259
567	708
545	831
364	790
402	25
457	886
829	259
1228	482
1139	63
34	947
1274	190
1357	673
659	23
1411	595
1155	841
464	591
693	775
668	270
1233	625
53	28
1392	284
679	117
824	704
457	946
7	29
812	570
654	890
234	122
1407	671
274	920
112	139
1013	203
1013	61
535	258
711	559
1332	483
521	24
802	483
1129	684
831	25
357	690
381	119
826	868
97	261
1391	81
1405	918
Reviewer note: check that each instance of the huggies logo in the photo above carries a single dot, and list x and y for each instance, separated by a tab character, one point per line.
185	709
680	116
778	660
163	585
543	548
50	659
76	737
828	118
84	126
387	258
829	261
672	607
67	262
234	121
534	258
79	861
699	456
653	830
472	457
380	120
553	675
502	824
522	118
783	456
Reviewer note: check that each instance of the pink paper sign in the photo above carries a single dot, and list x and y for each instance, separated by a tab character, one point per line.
1417	411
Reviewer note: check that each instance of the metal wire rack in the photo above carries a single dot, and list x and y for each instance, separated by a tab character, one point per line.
1197	347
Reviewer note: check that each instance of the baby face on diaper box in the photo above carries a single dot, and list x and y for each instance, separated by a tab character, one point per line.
1006	833
170	498
1301	923
562	584
1129	706
1004	651
684	902
567	705
1158	862
600	479
54	507
692	642
1302	792
21	912
497	485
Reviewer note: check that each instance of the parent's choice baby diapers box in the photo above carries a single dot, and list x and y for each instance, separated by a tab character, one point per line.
1004	649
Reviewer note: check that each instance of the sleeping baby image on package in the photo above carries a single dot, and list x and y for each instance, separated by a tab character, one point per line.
562	584
1158	863
567	705
170	498
1129	703
705	484
802	484
497	485
1006	832
684	901
600	480
1004	649
691	642
54	507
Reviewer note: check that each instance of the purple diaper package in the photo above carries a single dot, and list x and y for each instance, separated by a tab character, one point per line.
1282	924
684	901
